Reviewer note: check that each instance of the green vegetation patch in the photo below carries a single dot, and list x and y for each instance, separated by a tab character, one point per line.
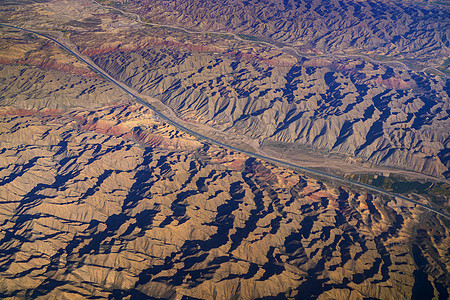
441	189
401	185
249	37
437	192
108	2
411	186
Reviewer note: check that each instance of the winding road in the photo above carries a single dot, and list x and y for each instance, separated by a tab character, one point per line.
130	92
297	54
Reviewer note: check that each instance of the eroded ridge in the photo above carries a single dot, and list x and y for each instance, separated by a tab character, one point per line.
360	109
90	209
100	199
371	107
396	28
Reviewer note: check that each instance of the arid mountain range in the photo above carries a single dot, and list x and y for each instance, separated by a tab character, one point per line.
101	198
110	203
377	109
400	29
354	107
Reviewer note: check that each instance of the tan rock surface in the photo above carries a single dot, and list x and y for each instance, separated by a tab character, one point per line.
370	108
81	202
394	28
99	199
87	211
337	107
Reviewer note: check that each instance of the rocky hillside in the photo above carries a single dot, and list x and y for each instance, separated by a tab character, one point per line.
91	210
372	112
100	199
36	74
375	111
369	109
395	28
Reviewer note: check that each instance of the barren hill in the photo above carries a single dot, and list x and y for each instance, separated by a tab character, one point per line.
409	29
361	109
101	199
91	210
379	109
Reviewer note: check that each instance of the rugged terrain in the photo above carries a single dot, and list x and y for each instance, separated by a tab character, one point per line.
35	73
101	199
397	29
111	202
371	111
354	107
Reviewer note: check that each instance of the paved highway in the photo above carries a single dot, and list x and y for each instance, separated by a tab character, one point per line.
296	53
215	142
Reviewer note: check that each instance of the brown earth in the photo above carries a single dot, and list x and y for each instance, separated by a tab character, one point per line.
100	199
375	113
87	211
400	29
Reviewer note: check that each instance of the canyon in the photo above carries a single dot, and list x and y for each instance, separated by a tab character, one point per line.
102	198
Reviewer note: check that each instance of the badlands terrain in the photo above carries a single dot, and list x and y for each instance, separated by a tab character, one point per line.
370	107
101	198
386	114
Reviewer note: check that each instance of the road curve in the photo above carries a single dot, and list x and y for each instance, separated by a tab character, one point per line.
215	142
238	38
139	20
